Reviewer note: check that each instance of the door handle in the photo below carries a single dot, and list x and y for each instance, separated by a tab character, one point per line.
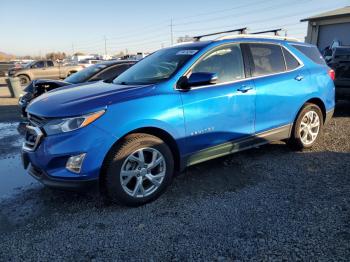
299	78
244	89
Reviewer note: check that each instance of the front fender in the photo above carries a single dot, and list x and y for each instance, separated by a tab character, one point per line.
162	111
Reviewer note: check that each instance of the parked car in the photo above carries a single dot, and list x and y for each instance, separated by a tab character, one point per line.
89	62
43	69
4	67
104	71
175	108
338	58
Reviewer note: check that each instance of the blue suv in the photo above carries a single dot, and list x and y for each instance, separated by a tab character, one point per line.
178	107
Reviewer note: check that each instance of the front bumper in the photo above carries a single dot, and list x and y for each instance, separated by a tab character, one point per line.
49	181
46	162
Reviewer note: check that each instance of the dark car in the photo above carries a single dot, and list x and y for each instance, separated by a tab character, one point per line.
106	71
338	59
4	67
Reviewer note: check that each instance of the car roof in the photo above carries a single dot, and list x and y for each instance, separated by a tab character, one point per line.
243	38
115	62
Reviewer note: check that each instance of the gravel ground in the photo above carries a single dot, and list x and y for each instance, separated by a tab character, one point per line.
268	203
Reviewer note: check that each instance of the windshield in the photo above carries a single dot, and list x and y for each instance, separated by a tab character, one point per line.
157	67
85	74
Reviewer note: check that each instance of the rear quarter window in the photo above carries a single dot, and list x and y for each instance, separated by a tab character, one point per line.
291	61
312	53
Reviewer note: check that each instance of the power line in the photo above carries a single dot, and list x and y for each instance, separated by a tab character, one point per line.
253	21
241	14
224	10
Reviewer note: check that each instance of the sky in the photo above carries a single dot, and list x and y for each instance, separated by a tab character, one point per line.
33	27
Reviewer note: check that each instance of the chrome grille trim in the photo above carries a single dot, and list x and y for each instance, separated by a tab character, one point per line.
32	145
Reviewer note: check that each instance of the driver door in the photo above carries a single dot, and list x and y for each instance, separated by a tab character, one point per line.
222	113
39	70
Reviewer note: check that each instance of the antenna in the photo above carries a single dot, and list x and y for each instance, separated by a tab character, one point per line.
240	30
275	31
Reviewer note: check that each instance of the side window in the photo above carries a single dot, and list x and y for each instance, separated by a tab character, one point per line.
291	62
49	63
267	59
39	64
112	72
226	62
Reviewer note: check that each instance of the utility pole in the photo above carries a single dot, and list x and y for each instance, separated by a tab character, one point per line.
171	31
105	45
73	49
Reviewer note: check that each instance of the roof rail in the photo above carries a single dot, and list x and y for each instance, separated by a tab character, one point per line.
257	36
275	31
240	30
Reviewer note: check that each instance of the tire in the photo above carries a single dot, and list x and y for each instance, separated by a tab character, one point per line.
24	80
124	170
302	137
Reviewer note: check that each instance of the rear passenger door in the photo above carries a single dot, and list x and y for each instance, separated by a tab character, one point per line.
279	79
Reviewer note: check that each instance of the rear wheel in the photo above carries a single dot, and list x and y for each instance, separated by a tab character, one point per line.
138	170
307	128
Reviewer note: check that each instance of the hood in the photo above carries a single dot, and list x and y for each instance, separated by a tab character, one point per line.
83	99
40	82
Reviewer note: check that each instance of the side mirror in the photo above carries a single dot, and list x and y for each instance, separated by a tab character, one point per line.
197	79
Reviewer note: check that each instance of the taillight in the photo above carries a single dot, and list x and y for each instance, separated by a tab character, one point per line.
331	74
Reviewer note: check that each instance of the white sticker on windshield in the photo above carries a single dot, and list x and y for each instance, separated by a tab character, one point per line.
187	52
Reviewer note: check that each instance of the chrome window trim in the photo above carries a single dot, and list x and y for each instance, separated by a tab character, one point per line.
301	65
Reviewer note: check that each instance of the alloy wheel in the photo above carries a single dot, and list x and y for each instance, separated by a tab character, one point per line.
143	172
309	127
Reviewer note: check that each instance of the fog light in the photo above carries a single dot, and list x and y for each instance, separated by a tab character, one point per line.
74	163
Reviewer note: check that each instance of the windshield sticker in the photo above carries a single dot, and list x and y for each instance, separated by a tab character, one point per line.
187	52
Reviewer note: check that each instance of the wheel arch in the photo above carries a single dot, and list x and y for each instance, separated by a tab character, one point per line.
160	133
316	101
319	103
24	74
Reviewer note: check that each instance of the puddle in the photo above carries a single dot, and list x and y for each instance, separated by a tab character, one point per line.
10	140
12	175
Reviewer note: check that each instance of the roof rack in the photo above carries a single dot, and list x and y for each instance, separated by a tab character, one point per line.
257	36
240	30
275	31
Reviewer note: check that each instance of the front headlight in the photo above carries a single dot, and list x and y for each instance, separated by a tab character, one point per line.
57	126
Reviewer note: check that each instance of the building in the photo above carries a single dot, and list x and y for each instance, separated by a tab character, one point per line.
324	28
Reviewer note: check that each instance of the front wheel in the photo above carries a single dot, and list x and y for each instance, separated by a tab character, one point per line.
138	170
24	80
307	128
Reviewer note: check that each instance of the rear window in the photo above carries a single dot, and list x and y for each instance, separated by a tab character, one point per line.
312	53
268	59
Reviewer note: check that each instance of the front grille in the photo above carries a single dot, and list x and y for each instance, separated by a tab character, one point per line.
32	138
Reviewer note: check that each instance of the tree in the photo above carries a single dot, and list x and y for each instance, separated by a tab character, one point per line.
55	56
78	53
